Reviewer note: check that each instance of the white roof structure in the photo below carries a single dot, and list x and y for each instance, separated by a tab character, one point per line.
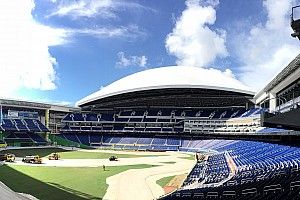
170	77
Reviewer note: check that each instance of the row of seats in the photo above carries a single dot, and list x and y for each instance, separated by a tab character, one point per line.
279	187
253	112
262	171
272	130
154	115
184	144
23	125
175	128
121	128
111	140
212	170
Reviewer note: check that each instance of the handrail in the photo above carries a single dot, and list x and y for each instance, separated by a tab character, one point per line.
279	98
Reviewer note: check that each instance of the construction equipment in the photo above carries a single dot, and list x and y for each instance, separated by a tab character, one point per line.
54	156
3	144
8	157
295	24
32	159
113	158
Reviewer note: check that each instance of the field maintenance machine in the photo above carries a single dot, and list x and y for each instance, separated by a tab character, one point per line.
113	158
8	157
54	156
32	159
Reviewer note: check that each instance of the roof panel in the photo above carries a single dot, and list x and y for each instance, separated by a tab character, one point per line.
170	77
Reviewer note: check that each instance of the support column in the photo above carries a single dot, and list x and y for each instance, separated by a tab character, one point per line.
247	105
47	118
272	102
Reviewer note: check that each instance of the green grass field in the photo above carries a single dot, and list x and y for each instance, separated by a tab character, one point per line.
168	162
95	155
190	157
64	154
164	181
58	183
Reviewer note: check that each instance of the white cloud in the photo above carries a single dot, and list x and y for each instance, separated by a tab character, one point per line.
131	31
61	103
80	9
268	47
25	60
130	61
93	8
192	41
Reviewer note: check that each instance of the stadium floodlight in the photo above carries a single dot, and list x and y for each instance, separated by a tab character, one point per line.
295	24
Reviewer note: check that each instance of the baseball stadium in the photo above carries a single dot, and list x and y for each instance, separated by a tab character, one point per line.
182	136
166	133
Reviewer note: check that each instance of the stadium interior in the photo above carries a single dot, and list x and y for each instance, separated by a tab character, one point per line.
245	149
246	145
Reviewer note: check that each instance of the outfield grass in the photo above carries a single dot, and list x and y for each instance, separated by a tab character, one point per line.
168	162
96	155
190	157
65	154
164	181
56	183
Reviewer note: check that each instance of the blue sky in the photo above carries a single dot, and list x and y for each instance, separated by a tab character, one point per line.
62	50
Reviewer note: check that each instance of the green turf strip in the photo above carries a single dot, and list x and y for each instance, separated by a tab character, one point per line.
57	183
95	155
69	154
164	181
190	157
168	162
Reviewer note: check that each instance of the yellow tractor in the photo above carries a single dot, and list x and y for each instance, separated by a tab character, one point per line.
8	157
54	156
2	144
32	159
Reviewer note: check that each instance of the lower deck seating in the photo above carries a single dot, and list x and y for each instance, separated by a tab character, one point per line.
72	137
25	138
280	187
145	143
262	171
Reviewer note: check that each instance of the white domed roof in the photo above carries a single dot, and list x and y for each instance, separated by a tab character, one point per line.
170	77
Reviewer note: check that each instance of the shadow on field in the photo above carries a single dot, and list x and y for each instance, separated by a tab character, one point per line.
34	151
75	192
20	182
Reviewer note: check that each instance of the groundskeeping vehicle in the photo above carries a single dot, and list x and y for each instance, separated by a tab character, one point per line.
113	158
8	157
54	156
3	144
32	159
